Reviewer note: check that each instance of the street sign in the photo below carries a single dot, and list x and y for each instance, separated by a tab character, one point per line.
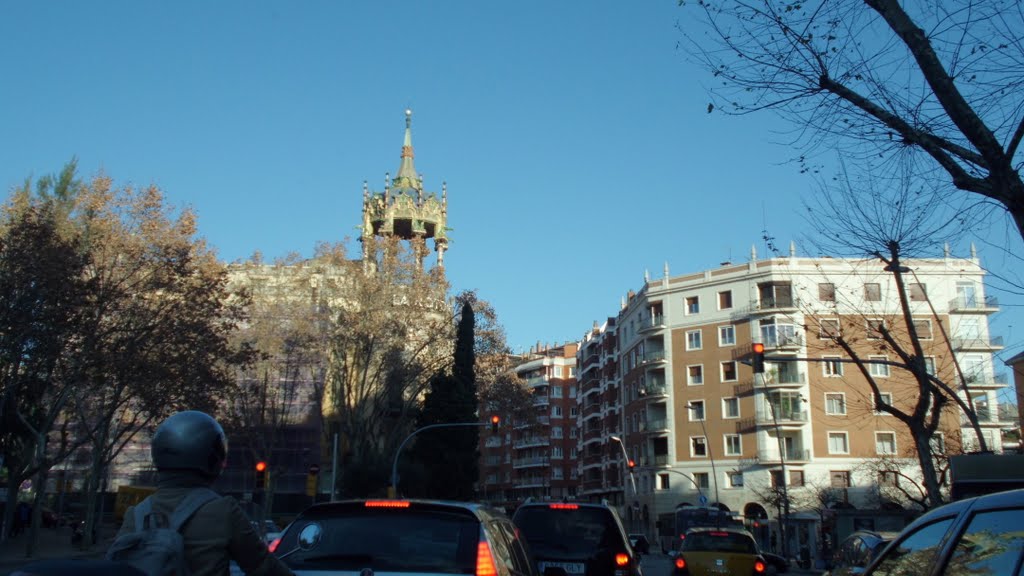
703	500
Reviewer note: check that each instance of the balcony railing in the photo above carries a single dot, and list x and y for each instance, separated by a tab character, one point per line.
654	390
995	343
653	356
530	462
593	409
768	416
656	425
781	341
531	442
771	304
656	460
536	381
789	378
652	322
793	455
985	381
974	304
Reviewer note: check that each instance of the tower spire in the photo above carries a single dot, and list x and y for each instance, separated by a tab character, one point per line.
407	176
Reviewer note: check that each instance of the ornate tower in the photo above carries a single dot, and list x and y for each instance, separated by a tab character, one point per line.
405	210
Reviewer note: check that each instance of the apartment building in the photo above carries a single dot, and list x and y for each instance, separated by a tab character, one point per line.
535	456
705	430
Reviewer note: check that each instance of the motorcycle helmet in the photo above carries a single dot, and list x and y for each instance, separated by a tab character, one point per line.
190	440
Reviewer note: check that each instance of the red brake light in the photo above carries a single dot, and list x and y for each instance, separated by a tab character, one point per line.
386	504
682	536
484	561
564	506
273	545
680	563
759	567
621	559
720	534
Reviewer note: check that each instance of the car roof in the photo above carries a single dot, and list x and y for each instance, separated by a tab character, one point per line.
474	508
697	529
548	503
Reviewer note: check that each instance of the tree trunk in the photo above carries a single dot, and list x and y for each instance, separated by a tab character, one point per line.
37	503
924	457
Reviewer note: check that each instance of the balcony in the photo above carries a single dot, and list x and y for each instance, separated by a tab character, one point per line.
792	456
978	344
769	417
656	460
653	322
593	409
541	400
782	341
536	381
531	442
653	357
772	305
531	462
654	391
974	305
656	426
986	417
985	381
532	482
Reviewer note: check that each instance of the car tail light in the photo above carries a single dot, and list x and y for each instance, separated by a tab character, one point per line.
387	504
564	506
621	559
720	534
680	563
273	545
484	560
759	567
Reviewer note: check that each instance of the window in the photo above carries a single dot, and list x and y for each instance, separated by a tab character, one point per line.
888	478
693	340
991	545
572	452
702	480
572	431
556	432
777	478
556	391
692	304
874	329
838	443
835	404
556	411
878	370
572	371
886	400
923	329
695	375
915	551
918	292
698	446
840	478
885	443
929	365
735	479
733	445
725	300
696	412
827	292
832	367
730	407
729	371
726	335
872	292
828	328
572	391
558	371
796	477
573	411
556	452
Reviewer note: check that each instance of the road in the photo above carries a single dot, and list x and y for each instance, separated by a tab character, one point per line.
656	565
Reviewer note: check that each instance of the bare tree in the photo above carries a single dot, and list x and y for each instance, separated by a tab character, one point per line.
880	80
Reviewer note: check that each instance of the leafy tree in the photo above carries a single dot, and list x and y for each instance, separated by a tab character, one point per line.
880	80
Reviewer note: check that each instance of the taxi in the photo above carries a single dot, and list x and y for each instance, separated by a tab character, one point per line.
711	551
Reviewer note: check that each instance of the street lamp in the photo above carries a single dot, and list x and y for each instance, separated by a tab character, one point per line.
626	457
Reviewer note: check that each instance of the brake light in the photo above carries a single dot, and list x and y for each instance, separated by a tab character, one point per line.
720	534
759	567
682	536
564	506
273	545
680	563
484	561
387	504
621	559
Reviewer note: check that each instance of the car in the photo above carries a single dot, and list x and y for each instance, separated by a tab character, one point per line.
268	529
980	535
640	543
858	550
403	535
776	564
707	551
577	539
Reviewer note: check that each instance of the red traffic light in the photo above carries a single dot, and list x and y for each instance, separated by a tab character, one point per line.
632	464
261	466
758	348
495	419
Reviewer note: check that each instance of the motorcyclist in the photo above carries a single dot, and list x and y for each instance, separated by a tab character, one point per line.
189	450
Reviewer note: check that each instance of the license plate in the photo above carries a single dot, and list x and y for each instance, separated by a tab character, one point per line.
568	567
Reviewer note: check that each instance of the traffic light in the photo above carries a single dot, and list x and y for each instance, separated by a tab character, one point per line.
495	420
261	475
758	360
631	464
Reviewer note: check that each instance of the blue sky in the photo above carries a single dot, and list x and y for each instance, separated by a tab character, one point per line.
574	137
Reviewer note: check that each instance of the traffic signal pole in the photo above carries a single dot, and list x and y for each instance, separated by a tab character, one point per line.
493	423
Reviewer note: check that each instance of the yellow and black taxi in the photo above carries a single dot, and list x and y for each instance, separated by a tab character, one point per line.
711	551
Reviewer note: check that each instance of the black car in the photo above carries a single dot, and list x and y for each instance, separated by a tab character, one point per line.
577	539
858	550
414	536
776	564
640	543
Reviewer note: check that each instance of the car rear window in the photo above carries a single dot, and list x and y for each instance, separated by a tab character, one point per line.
389	540
577	531
719	542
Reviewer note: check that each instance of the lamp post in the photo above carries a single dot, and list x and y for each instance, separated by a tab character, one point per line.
632	479
394	465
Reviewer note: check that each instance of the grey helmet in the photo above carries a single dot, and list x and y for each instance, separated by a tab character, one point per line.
190	440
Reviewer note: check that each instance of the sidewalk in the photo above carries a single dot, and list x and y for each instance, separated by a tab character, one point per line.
52	543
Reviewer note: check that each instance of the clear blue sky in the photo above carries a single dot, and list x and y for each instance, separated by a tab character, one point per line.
574	138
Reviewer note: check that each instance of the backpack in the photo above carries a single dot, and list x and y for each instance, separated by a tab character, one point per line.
156	547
